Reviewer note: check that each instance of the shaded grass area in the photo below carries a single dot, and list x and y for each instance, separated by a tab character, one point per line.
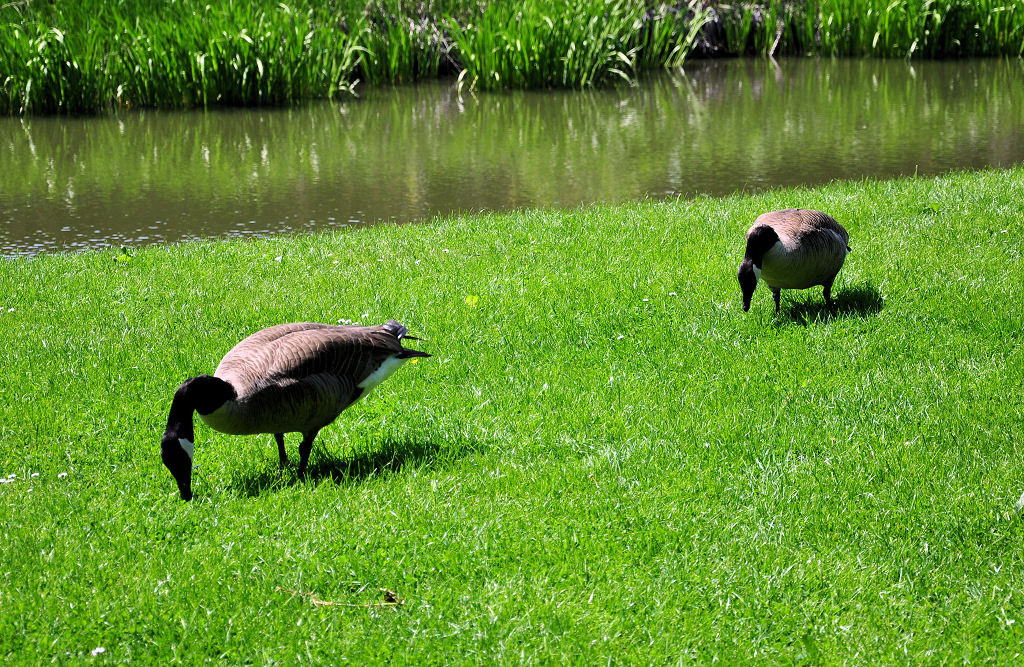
854	301
605	457
85	57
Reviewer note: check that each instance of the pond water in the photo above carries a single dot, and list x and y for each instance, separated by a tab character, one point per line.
411	153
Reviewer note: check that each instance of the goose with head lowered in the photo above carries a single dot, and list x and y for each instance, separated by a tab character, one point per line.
795	248
283	379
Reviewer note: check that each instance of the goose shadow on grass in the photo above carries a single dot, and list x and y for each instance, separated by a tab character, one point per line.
863	300
381	460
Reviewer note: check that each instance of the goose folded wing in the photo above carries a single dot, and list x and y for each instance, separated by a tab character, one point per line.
344	353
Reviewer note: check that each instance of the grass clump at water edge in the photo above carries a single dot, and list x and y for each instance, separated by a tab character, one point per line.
84	57
900	29
605	456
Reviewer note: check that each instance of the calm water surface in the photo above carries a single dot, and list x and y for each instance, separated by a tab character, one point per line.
412	153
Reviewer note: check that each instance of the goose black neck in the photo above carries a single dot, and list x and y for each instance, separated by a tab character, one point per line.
202	394
760	241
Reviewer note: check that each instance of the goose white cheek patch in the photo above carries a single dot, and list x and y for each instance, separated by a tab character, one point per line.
187	446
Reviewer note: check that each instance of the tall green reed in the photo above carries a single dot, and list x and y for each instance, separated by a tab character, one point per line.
48	70
539	44
885	28
177	54
236	54
667	33
400	47
528	46
82	57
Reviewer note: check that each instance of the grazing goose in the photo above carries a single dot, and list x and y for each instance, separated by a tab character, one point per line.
795	248
289	377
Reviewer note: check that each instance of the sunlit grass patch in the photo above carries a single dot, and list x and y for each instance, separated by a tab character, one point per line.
604	458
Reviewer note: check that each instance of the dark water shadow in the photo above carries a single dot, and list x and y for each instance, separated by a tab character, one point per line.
388	458
863	300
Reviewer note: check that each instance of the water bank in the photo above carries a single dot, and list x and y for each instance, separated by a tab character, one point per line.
411	153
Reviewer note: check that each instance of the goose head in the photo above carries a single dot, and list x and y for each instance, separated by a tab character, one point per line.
204	394
760	239
748	276
176	453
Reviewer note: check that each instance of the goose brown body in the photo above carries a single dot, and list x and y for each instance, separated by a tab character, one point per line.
299	377
793	249
287	378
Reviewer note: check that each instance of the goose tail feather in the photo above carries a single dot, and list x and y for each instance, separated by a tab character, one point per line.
400	332
395	328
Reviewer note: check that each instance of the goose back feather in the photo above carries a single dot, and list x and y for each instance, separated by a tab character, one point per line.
299	377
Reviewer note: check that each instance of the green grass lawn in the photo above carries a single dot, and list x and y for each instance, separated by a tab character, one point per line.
605	459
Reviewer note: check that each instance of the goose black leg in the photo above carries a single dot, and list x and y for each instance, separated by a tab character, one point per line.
828	293
777	293
304	448
280	449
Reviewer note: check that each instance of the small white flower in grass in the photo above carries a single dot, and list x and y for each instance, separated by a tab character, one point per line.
98	650
12	476
672	294
279	258
61	475
1020	503
10	310
445	250
645	300
35	474
620	337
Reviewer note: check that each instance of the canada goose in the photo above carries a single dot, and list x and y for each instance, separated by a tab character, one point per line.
289	377
795	248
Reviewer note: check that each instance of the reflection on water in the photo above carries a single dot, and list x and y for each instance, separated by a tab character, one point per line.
412	153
